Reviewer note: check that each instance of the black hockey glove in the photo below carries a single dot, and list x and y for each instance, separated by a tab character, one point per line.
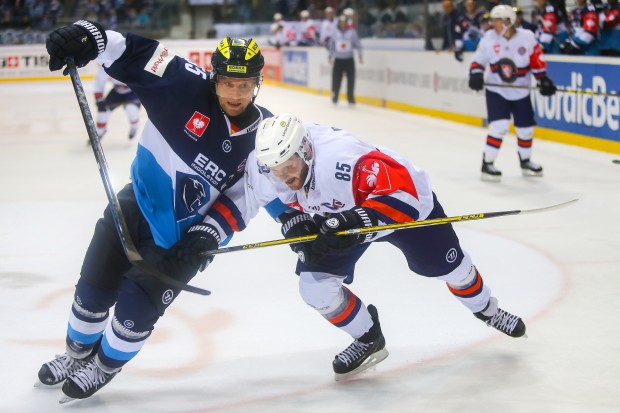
570	47
358	217
546	86
476	81
84	40
458	55
198	239
296	224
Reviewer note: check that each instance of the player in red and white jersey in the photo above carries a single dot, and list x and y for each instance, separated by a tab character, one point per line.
585	23
339	182
120	94
610	29
513	55
551	27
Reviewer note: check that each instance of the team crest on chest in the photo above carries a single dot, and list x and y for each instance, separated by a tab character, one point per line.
197	125
507	70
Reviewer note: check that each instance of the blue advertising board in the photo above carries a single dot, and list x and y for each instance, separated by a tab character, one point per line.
295	67
582	113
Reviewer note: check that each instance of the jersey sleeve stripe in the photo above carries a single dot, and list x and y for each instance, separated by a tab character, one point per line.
392	209
228	213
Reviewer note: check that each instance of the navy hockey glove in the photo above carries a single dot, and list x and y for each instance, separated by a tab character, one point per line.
546	86
84	40
358	217
295	225
476	81
198	239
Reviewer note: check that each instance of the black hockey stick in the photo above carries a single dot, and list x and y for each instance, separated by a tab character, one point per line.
121	225
397	226
577	91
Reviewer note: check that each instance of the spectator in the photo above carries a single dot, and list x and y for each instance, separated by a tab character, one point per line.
610	33
472	36
454	25
328	26
584	39
524	24
551	29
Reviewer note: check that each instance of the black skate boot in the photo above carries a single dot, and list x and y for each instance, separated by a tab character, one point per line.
86	381
57	370
501	320
365	351
489	172
529	168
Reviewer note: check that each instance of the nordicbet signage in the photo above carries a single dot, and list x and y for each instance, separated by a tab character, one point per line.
582	113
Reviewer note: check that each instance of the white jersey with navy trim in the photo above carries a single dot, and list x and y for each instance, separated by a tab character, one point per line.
189	154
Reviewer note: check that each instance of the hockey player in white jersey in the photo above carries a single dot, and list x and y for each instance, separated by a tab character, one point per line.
340	182
190	161
513	55
119	95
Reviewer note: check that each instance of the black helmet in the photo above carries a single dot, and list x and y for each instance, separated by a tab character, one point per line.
237	58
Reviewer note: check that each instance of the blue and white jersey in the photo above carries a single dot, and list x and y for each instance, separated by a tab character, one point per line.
190	152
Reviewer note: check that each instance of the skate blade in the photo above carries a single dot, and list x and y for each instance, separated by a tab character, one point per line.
529	173
39	384
373	360
66	399
490	178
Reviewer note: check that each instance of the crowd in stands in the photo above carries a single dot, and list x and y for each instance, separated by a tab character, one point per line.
29	21
590	28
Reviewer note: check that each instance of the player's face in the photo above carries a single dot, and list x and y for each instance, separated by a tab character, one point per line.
235	94
498	25
293	172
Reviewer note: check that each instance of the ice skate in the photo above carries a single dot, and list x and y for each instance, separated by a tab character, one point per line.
365	352
529	168
56	371
501	320
85	382
489	172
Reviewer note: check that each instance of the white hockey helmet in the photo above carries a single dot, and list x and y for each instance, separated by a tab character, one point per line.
504	12
279	138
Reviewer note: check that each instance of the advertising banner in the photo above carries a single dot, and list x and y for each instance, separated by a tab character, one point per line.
596	115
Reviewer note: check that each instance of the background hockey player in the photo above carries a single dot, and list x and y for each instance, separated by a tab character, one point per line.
119	95
585	31
347	183
513	55
342	48
194	146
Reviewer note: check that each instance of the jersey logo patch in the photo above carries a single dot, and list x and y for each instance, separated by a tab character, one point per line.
197	125
192	193
159	61
335	205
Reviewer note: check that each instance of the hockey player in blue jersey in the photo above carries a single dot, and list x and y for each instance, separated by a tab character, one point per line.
190	161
